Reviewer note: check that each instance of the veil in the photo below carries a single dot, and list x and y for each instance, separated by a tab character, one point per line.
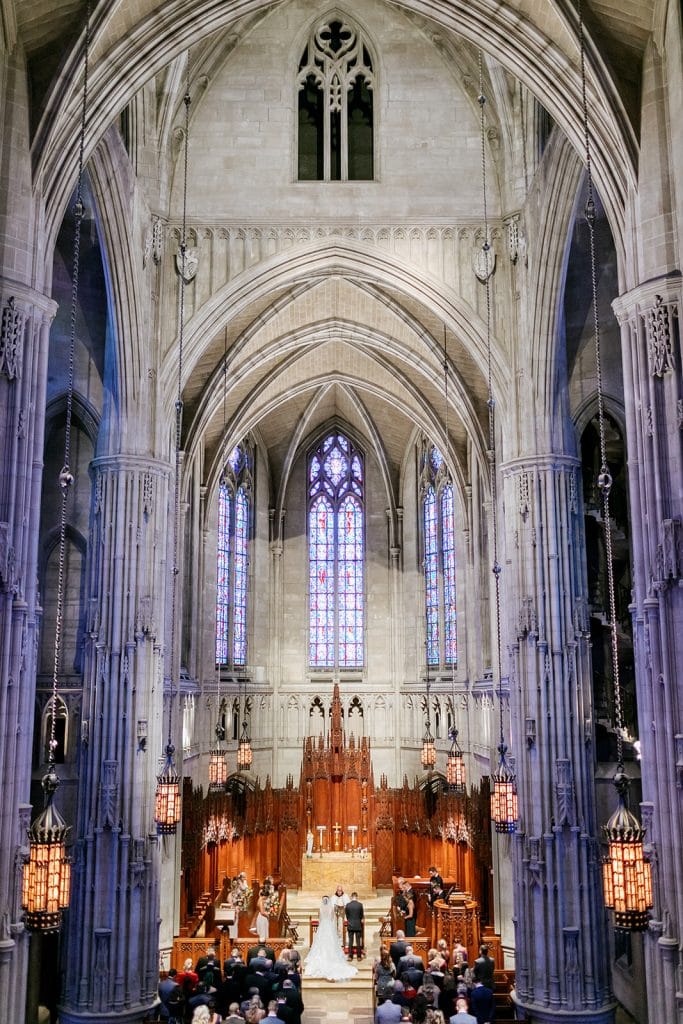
326	957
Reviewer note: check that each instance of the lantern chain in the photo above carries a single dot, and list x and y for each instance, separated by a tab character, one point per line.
604	481
66	477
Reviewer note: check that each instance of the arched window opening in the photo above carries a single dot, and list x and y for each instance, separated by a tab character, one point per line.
336	129
336	554
438	525
232	562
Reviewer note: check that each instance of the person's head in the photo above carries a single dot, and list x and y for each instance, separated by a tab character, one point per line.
201	1015
384	957
234	1008
210	951
261	951
187	966
354	895
461	1005
339	891
400	935
289	943
405	1013
443	945
433	870
484	950
326	900
409	950
172	973
235	953
272	1006
288	983
432	953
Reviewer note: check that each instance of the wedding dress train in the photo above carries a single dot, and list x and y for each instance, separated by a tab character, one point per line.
326	957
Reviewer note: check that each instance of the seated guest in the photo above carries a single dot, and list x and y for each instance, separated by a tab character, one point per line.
234	1016
459	952
167	990
263	949
388	1012
261	961
462	1015
208	969
484	967
442	949
293	999
234	958
430	990
482	1003
410	962
397	949
384	973
187	979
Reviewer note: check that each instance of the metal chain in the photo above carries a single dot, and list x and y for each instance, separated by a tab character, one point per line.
179	405
66	477
604	477
495	568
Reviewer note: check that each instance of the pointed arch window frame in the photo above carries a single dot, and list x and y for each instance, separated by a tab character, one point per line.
344	80
336	554
437	520
234	535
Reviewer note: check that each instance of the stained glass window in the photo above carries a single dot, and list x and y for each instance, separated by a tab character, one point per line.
234	514
336	554
439	561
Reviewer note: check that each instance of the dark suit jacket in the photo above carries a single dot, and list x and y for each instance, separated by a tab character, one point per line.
354	915
409	963
253	951
482	1004
259	981
397	950
484	967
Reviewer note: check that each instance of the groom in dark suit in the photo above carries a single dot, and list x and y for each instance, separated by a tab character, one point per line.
355	917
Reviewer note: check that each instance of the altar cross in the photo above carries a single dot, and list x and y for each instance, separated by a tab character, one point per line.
337	833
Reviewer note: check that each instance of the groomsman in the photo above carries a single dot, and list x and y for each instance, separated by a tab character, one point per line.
355	916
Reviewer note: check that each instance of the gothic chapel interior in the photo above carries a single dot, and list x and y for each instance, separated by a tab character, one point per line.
337	427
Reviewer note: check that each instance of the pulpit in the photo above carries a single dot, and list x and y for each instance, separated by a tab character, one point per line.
458	918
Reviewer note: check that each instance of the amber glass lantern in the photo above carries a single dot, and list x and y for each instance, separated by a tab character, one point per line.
504	796
167	802
455	766
47	872
428	754
218	768
245	754
626	875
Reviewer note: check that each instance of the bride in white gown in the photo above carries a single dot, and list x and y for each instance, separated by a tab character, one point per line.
326	957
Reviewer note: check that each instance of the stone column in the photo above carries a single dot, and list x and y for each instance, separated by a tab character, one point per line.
25	318
653	393
561	943
113	925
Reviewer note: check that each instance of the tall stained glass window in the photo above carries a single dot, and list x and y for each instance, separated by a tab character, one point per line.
439	560
336	554
234	517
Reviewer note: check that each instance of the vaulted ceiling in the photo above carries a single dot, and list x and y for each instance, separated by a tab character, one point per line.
47	30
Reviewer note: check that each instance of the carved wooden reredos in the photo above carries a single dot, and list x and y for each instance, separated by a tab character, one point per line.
261	830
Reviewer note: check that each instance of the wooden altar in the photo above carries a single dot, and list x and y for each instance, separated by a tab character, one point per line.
324	873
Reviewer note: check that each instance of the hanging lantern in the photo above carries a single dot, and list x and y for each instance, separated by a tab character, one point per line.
167	802
428	755
245	754
47	872
455	766
626	875
218	768
504	796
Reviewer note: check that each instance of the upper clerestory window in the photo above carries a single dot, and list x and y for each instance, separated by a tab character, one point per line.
336	130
